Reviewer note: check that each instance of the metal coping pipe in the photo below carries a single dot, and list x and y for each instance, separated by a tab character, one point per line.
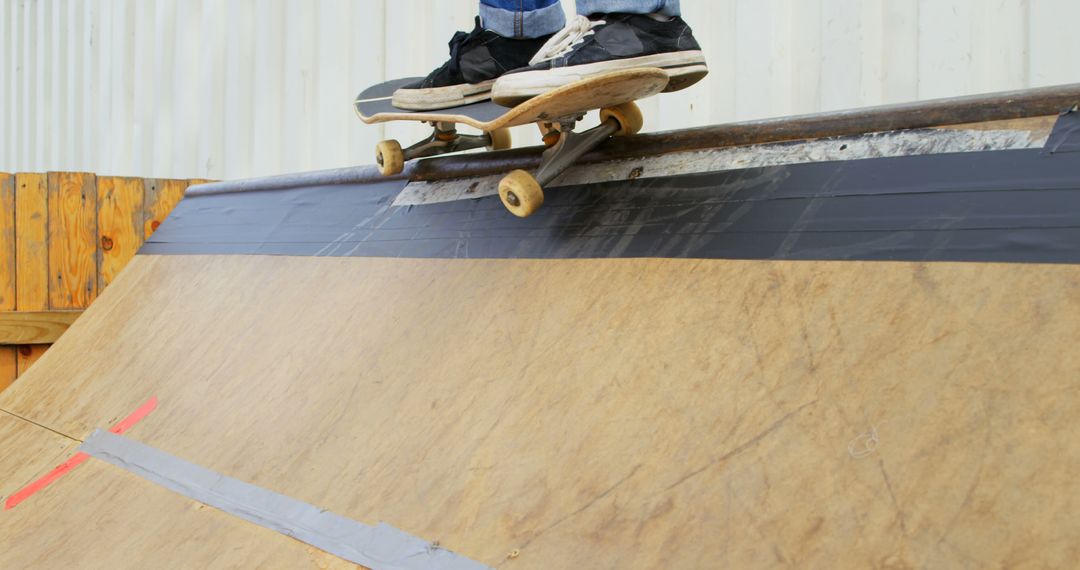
921	114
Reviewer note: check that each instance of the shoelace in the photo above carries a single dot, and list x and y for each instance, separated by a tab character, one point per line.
566	39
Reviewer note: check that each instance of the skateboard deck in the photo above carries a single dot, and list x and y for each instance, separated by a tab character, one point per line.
373	105
557	112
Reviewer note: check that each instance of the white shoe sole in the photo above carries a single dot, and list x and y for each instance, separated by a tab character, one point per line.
684	68
434	98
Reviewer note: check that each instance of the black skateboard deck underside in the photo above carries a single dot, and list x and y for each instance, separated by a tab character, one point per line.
376	99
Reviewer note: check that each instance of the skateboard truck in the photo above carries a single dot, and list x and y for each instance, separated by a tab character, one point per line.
557	112
522	193
444	138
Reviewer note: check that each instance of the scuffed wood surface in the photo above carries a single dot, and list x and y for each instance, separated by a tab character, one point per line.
119	535
625	413
1038	128
27	448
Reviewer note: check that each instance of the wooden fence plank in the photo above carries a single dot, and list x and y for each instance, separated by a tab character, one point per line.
120	224
8	359
161	196
31	254
28	354
72	240
7	242
31	242
34	327
9	366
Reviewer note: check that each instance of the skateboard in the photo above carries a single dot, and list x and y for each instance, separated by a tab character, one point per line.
556	112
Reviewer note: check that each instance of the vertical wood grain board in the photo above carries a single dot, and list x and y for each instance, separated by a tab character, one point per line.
161	197
31	254
120	224
8	365
72	240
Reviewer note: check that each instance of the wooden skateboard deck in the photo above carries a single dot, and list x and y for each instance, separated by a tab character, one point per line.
373	105
556	111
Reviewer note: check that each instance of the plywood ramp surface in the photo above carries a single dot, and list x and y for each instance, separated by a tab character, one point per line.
105	517
626	413
26	448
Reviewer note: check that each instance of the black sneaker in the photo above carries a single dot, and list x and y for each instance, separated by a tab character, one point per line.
476	60
607	42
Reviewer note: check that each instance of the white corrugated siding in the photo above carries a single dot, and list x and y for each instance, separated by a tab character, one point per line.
234	88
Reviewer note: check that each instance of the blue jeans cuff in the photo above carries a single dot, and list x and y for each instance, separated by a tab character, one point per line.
523	24
665	7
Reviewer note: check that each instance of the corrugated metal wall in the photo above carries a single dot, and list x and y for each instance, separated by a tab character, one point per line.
233	88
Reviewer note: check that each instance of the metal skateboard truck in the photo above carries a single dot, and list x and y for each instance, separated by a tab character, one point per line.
557	112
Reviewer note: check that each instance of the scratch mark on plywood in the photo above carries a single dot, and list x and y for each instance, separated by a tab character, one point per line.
741	448
583	508
44	427
896	504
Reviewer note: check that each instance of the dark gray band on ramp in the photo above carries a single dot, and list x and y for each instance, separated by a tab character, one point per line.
1066	135
380	547
352	175
984	206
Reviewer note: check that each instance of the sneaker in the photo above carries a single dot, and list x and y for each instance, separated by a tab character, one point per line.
476	60
602	43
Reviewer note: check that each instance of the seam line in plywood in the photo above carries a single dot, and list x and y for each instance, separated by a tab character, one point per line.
42	426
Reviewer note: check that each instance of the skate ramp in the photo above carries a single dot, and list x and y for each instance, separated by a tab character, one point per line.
616	413
567	402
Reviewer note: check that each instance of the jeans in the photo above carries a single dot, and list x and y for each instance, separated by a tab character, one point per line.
535	18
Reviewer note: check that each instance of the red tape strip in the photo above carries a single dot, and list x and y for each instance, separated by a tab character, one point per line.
77	459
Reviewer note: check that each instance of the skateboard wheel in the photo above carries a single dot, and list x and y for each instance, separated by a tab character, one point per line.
389	157
500	139
627	114
521	193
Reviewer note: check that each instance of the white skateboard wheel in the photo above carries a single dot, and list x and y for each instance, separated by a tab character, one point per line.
389	157
628	115
521	193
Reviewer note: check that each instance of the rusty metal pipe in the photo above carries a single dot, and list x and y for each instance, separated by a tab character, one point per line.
940	112
933	113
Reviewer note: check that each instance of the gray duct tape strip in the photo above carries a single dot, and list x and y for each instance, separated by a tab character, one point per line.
380	547
873	145
1066	135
